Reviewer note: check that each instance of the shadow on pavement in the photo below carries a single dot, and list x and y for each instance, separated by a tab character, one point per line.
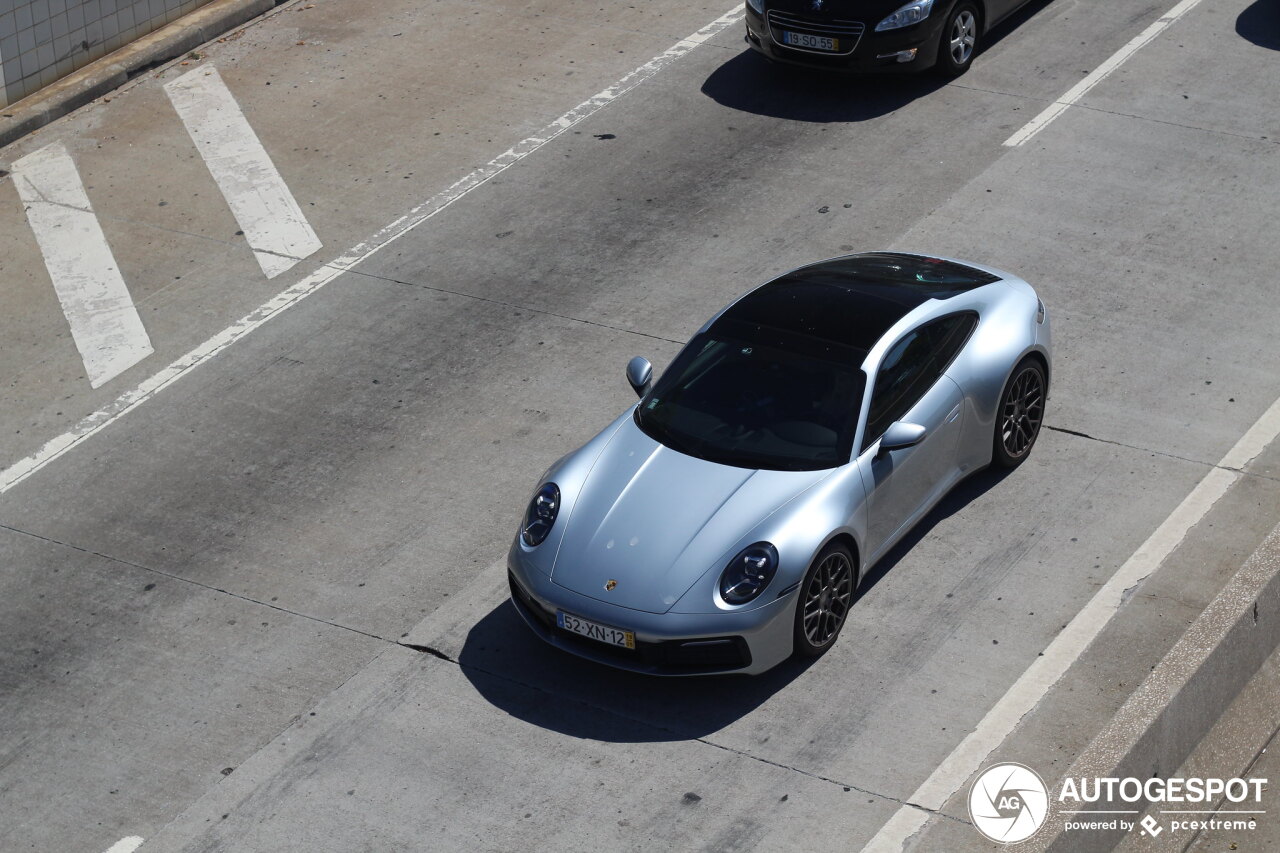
750	83
1260	24
523	676
518	673
963	494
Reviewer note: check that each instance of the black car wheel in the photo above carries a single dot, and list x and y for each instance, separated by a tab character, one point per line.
959	40
826	593
1020	414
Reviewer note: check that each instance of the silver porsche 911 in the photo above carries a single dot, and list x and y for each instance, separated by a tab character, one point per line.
724	522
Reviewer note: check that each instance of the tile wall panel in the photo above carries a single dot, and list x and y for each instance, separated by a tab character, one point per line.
44	40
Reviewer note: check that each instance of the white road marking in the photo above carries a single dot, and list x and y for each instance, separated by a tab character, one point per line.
273	224
126	845
1098	74
1045	670
104	323
130	400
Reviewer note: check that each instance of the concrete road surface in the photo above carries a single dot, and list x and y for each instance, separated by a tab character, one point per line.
251	581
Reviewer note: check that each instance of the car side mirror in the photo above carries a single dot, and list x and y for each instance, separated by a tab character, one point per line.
899	435
640	375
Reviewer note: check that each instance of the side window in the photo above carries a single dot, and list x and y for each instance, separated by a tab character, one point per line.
911	367
950	334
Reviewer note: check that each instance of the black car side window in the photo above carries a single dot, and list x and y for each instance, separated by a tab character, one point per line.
949	335
911	367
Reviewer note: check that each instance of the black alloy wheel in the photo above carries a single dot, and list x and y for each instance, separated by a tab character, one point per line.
1020	414
826	594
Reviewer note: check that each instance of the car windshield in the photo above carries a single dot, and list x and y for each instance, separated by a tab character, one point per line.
754	397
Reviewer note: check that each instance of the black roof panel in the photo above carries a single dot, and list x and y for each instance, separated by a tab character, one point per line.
852	301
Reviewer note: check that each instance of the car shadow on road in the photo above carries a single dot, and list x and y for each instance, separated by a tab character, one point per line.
750	83
532	681
967	491
520	674
1260	24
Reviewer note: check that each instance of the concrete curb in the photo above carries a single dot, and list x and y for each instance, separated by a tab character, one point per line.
115	69
1180	701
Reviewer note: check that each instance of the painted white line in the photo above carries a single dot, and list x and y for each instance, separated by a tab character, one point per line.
104	323
126	845
130	400
1098	74
1255	440
1045	670
273	224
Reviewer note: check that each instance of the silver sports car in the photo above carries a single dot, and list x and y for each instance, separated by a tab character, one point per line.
724	522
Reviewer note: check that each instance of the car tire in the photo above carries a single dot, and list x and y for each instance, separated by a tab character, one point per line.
824	599
959	40
1019	415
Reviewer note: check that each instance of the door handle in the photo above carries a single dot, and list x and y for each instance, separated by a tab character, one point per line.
955	413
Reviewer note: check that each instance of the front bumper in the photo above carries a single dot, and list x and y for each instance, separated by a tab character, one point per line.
748	642
873	52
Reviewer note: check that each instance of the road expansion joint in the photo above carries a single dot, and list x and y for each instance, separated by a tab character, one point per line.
434	652
505	304
136	223
1117	113
1210	130
42	199
998	92
179	578
597	708
847	786
1165	454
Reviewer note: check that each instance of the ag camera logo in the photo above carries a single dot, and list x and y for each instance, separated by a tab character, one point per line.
1008	803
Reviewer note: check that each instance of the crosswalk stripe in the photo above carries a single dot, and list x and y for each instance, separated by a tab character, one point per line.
104	322
273	224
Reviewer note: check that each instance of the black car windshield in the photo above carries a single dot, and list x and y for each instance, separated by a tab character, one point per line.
754	397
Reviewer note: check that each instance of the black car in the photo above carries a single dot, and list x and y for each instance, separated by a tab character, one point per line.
874	35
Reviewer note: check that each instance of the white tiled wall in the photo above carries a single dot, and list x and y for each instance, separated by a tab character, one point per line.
43	40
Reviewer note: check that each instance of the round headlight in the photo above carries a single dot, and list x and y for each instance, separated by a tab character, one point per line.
749	573
540	515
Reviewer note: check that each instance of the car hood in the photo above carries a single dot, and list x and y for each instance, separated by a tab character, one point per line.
869	11
654	520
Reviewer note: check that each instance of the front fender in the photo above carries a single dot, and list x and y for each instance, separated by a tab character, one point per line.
799	530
